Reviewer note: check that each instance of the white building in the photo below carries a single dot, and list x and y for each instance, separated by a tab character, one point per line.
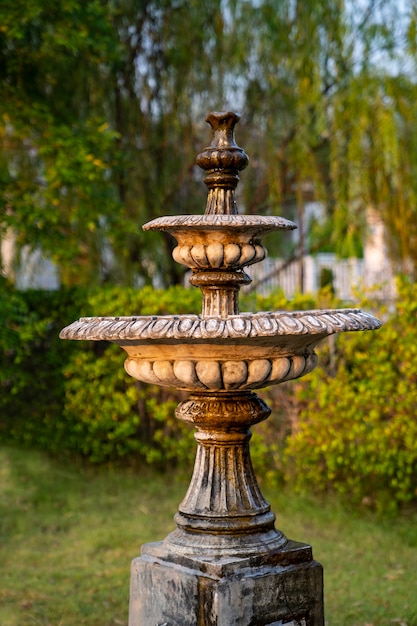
33	271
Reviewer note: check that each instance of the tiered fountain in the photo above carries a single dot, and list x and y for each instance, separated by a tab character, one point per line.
225	564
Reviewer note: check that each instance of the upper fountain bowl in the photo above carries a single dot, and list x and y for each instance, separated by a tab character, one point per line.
219	242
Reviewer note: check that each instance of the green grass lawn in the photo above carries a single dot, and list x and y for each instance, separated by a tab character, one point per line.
68	535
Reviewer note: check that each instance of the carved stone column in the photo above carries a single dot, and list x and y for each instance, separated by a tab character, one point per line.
224	510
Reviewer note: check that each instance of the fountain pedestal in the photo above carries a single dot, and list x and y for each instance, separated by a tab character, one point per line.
225	564
284	586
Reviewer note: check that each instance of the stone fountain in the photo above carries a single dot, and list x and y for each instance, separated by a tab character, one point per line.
225	564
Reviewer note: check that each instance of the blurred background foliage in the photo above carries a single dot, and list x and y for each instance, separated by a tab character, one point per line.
102	114
101	117
348	427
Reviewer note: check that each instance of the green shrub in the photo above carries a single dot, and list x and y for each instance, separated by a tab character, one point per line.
350	426
357	427
74	396
110	416
269	438
31	358
107	414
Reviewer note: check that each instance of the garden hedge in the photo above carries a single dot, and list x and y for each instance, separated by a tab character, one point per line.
349	427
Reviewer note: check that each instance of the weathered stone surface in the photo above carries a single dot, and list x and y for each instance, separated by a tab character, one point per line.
285	586
274	327
246	351
225	564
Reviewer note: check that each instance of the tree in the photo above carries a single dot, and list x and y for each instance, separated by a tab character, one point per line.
331	85
98	134
102	116
57	144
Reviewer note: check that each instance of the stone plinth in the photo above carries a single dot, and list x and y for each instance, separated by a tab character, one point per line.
283	587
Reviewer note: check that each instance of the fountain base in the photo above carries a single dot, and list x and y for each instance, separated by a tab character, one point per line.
191	544
277	588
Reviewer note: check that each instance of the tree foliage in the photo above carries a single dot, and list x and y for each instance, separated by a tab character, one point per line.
102	108
98	129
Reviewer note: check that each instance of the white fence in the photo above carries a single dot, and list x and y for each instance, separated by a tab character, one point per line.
347	276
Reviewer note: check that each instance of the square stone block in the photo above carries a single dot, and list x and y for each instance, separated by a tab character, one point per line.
284	587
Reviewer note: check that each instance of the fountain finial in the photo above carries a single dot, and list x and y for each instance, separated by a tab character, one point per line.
222	160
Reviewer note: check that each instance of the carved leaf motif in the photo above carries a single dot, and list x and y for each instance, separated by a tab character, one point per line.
245	325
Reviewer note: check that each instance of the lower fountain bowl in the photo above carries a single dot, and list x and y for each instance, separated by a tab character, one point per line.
220	375
209	353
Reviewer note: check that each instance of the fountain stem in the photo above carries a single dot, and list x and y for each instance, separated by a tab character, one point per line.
224	510
220	291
